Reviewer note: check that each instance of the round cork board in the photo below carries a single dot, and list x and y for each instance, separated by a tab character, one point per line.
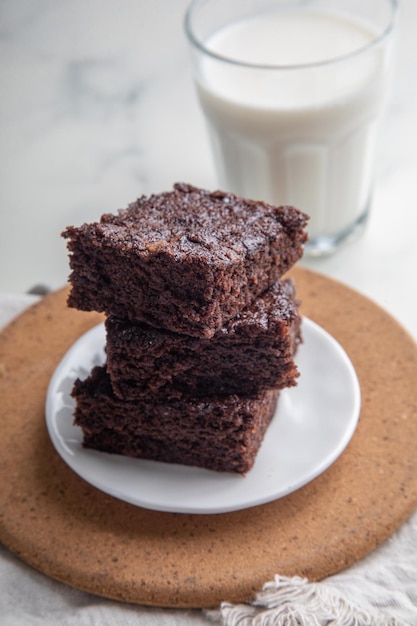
67	529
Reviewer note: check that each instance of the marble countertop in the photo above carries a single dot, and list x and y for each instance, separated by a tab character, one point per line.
98	107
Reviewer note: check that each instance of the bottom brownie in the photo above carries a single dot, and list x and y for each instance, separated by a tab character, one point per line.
219	434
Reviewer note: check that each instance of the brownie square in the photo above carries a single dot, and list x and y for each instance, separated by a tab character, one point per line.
219	434
253	352
186	260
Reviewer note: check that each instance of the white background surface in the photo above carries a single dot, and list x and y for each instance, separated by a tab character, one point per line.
97	107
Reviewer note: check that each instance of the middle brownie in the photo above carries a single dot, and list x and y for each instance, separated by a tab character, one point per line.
253	352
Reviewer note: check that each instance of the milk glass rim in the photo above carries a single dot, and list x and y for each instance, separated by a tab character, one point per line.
195	4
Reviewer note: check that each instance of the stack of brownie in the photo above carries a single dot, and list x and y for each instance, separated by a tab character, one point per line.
201	330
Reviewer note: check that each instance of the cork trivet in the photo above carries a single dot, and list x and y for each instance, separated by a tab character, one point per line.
67	529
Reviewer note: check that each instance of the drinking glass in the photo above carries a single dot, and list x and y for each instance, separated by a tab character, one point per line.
293	92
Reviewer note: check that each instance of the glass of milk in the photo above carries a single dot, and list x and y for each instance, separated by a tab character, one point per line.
293	92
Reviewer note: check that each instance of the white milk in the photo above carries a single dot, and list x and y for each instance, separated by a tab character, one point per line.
296	136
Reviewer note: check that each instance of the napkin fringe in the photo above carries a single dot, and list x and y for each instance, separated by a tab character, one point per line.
297	602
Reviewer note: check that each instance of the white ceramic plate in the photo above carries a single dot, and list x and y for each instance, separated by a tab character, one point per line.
313	424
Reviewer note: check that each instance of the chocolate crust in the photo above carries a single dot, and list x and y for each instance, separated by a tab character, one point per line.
186	260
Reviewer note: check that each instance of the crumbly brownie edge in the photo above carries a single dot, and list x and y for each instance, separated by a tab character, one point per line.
192	288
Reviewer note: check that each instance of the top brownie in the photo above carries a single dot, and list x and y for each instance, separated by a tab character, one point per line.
186	260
